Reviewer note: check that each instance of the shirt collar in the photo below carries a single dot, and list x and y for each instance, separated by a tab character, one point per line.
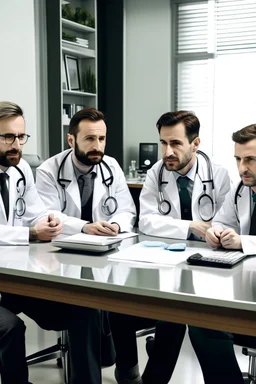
191	174
78	173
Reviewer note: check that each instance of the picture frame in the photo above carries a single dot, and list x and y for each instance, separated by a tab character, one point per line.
63	74
72	71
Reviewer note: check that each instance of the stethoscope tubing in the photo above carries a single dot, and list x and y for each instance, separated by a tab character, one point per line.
165	203
107	182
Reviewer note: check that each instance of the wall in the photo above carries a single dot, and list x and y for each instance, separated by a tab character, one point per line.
18	65
147	72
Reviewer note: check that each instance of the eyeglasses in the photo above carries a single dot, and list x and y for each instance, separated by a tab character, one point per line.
10	138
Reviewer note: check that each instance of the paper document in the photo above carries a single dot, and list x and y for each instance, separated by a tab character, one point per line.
139	253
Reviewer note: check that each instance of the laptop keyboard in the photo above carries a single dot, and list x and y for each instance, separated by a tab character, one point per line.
217	259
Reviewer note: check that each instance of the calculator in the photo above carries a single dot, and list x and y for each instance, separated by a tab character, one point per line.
218	259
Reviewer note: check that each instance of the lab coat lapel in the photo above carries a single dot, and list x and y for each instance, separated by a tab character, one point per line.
99	188
170	192
206	208
72	189
244	211
14	176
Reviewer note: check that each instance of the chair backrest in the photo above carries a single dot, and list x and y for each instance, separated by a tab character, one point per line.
34	161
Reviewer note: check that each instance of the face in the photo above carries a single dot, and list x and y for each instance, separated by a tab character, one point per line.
177	152
10	154
89	144
245	155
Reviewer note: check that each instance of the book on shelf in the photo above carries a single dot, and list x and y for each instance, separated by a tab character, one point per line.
71	109
82	42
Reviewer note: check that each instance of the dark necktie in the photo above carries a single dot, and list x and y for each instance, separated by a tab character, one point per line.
253	220
5	192
85	183
185	199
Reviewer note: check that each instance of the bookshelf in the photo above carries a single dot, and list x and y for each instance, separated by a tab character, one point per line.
79	59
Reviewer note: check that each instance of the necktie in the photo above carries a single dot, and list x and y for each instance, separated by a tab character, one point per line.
253	223
185	199
85	183
4	192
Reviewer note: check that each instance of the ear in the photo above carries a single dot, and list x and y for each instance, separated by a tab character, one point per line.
196	143
71	140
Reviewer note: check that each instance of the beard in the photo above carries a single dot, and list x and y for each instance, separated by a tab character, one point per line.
179	164
6	161
84	157
251	182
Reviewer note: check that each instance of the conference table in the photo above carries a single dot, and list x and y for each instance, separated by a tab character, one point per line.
201	296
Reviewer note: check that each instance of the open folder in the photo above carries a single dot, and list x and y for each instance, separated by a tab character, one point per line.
92	243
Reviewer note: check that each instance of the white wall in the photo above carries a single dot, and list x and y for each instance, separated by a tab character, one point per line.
18	78
147	72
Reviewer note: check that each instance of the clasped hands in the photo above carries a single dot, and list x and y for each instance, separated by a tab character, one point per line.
46	229
226	238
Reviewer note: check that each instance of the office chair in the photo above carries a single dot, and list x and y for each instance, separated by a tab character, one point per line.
33	160
58	351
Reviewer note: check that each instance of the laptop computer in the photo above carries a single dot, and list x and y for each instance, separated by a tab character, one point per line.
84	242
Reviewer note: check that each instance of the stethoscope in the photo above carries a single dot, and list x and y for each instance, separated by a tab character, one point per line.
109	205
164	206
20	204
238	195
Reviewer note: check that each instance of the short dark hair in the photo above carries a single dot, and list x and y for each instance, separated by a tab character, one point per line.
190	120
9	109
91	114
245	134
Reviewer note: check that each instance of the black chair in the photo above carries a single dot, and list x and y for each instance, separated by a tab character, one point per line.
58	351
33	160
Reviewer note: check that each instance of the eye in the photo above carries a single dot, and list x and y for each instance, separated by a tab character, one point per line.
9	136
102	138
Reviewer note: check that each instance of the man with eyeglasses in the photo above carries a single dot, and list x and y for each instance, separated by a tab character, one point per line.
23	217
20	205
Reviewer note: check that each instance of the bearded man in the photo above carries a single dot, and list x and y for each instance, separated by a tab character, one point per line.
85	184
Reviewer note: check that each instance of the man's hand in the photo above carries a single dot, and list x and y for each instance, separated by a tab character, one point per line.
101	228
230	239
212	237
199	228
46	229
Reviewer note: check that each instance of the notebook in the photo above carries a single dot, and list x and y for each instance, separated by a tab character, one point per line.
84	242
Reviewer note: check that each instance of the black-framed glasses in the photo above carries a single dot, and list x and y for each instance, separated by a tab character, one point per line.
10	138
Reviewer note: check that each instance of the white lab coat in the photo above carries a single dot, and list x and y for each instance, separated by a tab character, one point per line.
52	194
171	226
15	231
237	217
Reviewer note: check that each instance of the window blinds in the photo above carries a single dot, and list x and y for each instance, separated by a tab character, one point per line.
235	26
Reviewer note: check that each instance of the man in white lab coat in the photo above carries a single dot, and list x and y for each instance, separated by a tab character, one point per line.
87	185
179	137
23	217
166	212
234	227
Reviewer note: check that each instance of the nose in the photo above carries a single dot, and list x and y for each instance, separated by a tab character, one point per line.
242	167
16	143
96	145
168	151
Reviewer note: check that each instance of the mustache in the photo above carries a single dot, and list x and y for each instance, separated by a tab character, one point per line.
95	153
13	152
166	158
245	174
